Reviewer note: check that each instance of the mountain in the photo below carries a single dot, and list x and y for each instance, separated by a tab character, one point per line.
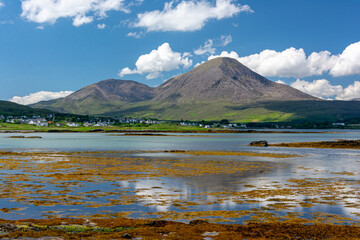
101	97
220	88
225	79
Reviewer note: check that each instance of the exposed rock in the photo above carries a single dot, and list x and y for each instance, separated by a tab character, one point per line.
261	143
128	236
160	223
198	221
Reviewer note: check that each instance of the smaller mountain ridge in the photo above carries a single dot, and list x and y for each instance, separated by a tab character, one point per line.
113	89
225	79
14	109
99	98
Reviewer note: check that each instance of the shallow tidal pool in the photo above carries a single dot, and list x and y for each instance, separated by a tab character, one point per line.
217	178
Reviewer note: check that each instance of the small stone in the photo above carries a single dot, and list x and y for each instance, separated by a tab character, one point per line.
127	236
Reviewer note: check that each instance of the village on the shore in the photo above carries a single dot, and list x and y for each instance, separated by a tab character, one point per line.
92	121
50	120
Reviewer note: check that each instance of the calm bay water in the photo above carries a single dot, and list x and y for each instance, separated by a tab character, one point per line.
104	141
331	165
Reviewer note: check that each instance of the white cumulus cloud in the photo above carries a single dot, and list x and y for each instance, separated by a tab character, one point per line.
350	92
1	4
188	15
295	63
321	88
80	11
207	48
81	20
348	62
39	96
160	60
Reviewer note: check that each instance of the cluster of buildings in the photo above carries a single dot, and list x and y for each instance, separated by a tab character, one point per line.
34	120
49	120
140	120
103	122
213	125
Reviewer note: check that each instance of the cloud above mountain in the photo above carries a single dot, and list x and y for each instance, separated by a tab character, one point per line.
206	48
293	62
162	59
322	88
188	15
39	96
80	11
210	44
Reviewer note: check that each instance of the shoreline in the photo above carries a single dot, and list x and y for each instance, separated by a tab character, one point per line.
135	132
125	228
338	144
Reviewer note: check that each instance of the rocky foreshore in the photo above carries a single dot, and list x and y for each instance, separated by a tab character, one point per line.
123	228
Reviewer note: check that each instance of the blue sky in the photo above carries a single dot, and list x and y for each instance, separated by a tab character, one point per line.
49	46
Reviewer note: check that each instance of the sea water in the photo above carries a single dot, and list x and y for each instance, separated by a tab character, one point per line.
335	164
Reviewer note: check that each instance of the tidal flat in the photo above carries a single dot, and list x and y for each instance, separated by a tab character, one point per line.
188	187
339	143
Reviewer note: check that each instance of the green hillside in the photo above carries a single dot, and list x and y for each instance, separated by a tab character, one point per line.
254	112
14	109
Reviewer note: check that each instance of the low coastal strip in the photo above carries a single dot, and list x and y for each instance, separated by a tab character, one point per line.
123	228
341	144
150	132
